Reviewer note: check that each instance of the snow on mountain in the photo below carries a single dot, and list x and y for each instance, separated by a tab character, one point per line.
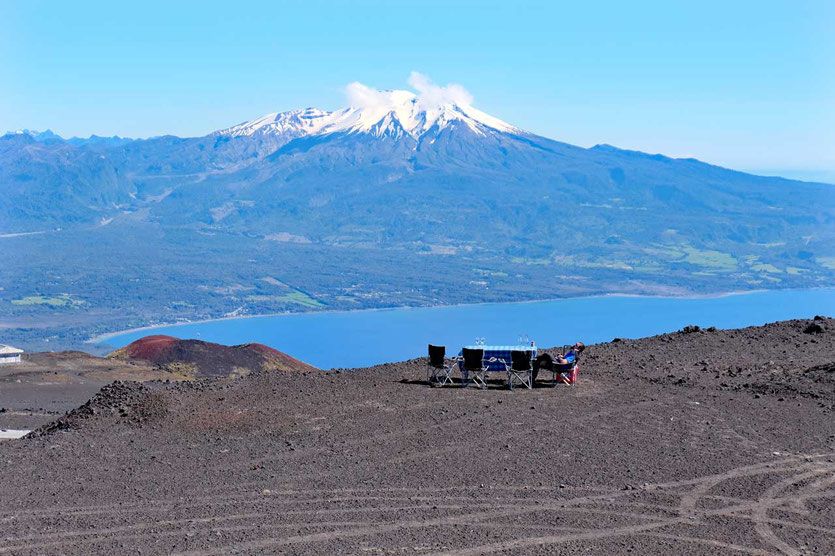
392	113
46	135
293	123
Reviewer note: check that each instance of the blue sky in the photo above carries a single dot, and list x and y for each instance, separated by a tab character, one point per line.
748	85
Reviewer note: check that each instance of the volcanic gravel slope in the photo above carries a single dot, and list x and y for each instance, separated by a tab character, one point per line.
687	443
44	386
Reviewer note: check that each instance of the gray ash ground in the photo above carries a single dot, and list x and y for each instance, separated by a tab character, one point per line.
686	443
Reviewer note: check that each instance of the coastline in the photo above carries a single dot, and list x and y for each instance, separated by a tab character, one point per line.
101	338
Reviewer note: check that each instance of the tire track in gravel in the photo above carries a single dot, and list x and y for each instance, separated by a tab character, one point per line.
100	535
466	519
760	514
33	542
710	542
320	537
814	486
627	530
508	508
516	509
274	543
323	495
96	539
766	467
430	503
167	506
690	501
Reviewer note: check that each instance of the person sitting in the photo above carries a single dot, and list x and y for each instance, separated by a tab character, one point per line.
562	364
570	356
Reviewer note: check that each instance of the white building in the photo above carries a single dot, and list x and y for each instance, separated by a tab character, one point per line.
8	354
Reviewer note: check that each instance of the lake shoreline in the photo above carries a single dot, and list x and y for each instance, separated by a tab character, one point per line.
101	338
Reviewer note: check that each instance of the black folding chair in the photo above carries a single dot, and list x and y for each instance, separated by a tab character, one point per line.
520	369
439	371
474	367
565	373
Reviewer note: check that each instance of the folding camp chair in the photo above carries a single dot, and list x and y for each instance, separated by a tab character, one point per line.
520	369
565	373
439	371
568	372
474	367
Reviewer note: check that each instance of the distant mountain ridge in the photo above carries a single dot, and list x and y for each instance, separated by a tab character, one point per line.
305	160
49	135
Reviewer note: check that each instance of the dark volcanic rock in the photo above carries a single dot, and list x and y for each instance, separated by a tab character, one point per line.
814	328
129	402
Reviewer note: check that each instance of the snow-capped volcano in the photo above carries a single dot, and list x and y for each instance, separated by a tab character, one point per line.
388	113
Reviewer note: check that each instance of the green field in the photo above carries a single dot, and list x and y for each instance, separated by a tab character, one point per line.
709	258
294	298
60	301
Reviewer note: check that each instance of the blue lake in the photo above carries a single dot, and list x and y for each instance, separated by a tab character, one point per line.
361	338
